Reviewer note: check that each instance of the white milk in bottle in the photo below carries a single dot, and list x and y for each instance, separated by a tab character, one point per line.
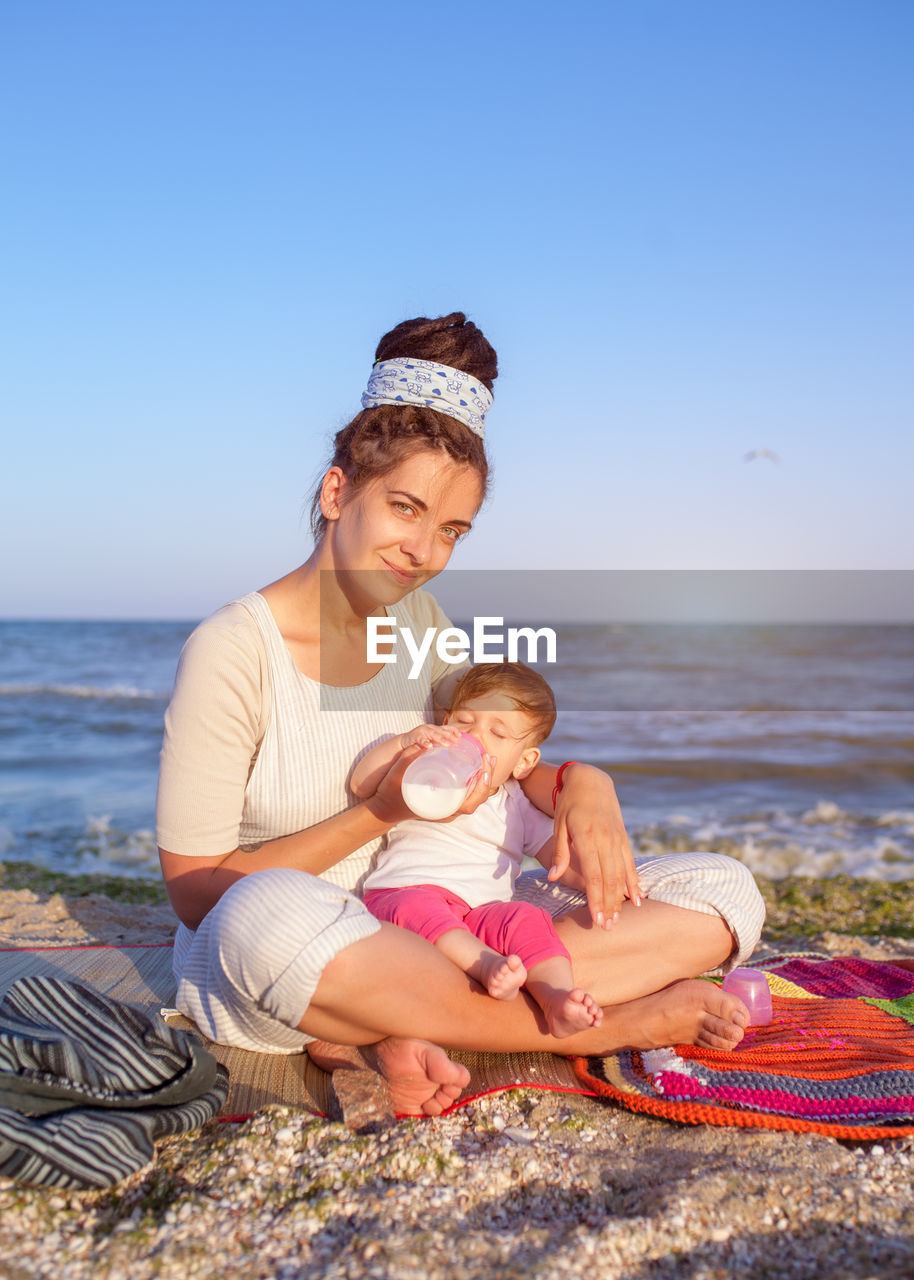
435	784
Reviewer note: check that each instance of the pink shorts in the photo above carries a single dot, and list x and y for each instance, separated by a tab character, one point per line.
510	928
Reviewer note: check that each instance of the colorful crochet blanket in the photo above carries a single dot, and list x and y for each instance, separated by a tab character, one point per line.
838	1058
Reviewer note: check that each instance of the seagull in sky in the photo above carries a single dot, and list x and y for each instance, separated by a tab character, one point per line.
760	453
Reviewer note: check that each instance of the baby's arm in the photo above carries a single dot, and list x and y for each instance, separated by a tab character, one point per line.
545	856
375	763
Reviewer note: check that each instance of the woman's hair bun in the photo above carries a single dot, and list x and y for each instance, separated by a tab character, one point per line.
452	340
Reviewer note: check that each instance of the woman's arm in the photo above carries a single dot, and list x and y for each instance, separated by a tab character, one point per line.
213	728
195	883
591	848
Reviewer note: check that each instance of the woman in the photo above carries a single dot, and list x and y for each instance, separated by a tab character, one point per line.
275	700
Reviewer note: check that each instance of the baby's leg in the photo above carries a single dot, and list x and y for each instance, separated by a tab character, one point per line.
439	915
528	931
567	1008
502	976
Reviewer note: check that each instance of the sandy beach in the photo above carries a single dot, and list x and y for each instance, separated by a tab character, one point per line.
514	1184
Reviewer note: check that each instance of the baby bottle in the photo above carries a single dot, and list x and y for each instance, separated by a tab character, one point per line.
435	784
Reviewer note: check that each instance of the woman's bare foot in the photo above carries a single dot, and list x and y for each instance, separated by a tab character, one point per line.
502	976
421	1078
569	1011
688	1012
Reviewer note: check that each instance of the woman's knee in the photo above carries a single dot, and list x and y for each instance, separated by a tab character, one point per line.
711	883
262	923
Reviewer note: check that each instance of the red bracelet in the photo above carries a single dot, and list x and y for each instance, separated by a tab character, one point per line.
558	781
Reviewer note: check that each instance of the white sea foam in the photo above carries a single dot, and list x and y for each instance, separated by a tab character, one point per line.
80	691
788	846
897	818
103	848
826	811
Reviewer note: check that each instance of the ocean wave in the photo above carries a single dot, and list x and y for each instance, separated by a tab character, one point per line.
104	847
113	693
821	842
825	812
897	818
101	847
778	860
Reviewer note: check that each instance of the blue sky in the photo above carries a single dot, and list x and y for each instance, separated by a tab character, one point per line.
685	224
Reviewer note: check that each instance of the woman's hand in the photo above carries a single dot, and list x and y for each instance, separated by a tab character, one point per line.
481	789
591	843
388	805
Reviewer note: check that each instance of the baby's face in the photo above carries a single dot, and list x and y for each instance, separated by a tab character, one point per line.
503	730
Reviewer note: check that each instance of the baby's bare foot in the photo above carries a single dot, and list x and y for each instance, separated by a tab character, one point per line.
502	976
570	1011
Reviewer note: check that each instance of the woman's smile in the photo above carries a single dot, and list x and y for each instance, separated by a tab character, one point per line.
406	576
406	524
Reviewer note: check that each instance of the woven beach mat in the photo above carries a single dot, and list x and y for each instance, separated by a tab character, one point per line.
141	974
837	1058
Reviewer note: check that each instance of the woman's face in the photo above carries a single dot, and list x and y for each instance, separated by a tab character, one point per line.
402	528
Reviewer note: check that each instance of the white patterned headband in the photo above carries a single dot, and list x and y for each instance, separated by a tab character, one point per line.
436	386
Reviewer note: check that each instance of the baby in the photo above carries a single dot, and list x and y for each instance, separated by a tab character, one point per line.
452	881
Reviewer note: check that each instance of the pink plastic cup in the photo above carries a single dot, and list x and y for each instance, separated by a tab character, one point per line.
751	986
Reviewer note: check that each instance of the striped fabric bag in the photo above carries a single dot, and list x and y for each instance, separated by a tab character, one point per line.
88	1085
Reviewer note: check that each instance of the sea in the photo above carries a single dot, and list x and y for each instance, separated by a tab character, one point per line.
790	747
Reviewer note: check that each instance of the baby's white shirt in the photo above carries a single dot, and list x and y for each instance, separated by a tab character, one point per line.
476	855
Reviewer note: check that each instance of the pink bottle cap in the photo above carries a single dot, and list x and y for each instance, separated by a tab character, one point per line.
751	986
